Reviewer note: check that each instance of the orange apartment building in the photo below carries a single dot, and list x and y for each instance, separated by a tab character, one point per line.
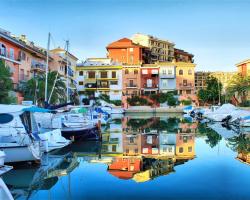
24	60
126	52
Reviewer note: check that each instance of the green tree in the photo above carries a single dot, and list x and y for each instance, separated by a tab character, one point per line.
6	84
212	91
239	85
34	89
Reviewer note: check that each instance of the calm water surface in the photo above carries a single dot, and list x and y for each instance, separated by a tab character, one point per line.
143	157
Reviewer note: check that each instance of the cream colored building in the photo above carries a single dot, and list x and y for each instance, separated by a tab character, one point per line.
98	76
223	77
161	50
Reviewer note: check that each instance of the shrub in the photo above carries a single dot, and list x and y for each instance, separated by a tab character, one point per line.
245	103
137	101
186	102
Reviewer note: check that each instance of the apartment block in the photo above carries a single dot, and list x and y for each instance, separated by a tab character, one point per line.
200	80
160	50
244	67
126	51
98	76
183	56
224	78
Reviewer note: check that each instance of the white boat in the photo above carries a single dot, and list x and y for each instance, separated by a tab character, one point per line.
220	113
111	108
52	140
4	191
17	137
70	124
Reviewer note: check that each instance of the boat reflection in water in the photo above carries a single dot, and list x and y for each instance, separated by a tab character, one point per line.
24	180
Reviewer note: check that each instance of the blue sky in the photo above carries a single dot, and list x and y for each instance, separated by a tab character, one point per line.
217	32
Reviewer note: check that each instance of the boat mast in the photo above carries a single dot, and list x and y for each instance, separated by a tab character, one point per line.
67	52
46	73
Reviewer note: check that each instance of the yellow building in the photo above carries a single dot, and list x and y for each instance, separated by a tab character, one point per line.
223	77
99	76
185	83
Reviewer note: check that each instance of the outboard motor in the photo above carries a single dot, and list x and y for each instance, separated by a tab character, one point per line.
192	114
227	119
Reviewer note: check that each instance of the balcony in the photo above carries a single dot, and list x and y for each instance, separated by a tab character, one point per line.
150	86
35	65
131	86
167	76
186	86
5	56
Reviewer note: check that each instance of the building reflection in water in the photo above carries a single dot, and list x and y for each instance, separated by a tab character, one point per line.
144	149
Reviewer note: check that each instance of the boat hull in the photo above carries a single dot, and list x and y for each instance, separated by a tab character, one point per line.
20	153
91	133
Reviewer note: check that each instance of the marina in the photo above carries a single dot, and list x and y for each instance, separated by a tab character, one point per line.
145	153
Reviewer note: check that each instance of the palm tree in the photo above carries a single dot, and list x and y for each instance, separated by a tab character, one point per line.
239	85
34	89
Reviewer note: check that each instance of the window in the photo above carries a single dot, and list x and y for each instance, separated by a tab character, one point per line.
181	150
131	49
144	71
190	72
5	118
180	72
190	149
113	82
80	72
131	59
170	72
114	74
165	83
12	53
136	150
131	140
184	82
136	71
188	92
180	92
126	71
3	51
164	71
91	74
113	148
104	74
80	82
131	83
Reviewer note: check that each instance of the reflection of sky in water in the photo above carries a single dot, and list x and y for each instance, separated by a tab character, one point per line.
214	173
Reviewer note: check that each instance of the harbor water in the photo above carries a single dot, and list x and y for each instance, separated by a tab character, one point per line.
142	157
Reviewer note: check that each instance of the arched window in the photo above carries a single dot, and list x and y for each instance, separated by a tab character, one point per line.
180	72
126	71
190	72
3	50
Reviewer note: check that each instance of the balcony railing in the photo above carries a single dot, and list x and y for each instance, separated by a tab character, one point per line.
188	85
131	85
6	56
150	86
38	65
